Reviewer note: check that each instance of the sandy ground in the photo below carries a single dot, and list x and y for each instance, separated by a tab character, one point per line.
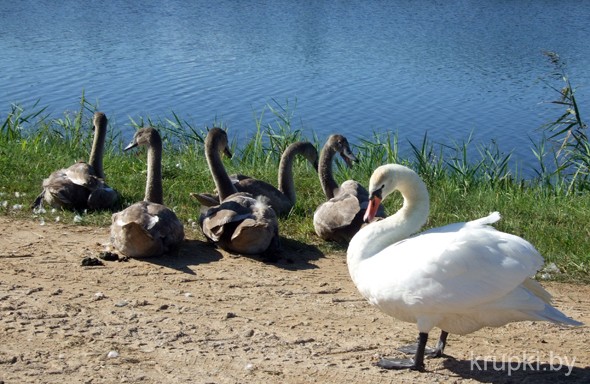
209	317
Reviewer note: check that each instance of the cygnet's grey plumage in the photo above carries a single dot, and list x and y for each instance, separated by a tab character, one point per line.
241	223
341	216
81	186
147	228
281	199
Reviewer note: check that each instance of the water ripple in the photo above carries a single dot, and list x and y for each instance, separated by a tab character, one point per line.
448	70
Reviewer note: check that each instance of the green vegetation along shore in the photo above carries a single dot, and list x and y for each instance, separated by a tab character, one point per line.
550	210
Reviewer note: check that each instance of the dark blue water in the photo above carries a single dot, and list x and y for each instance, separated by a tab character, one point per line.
448	68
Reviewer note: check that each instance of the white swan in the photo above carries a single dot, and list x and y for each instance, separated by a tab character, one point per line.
147	228
81	186
459	278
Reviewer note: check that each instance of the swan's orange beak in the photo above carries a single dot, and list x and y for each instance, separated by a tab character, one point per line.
372	209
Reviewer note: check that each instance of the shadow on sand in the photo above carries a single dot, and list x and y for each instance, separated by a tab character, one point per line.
518	369
293	255
191	252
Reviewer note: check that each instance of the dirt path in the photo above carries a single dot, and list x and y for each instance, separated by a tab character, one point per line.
209	317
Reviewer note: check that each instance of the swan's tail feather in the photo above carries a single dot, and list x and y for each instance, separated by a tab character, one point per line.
537	289
555	316
489	219
38	201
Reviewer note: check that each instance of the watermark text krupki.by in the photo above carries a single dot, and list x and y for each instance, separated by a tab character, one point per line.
523	363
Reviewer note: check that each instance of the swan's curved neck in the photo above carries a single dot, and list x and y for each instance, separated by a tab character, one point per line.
286	182
222	181
153	188
329	185
97	151
408	220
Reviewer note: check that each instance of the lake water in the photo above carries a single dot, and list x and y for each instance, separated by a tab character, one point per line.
355	67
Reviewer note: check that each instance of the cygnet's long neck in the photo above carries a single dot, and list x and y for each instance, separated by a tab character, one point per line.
286	181
222	181
407	221
153	189
97	151
329	185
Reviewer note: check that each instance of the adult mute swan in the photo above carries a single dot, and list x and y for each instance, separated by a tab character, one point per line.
459	278
81	186
147	228
341	216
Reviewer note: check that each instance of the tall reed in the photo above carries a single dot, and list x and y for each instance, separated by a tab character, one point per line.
567	134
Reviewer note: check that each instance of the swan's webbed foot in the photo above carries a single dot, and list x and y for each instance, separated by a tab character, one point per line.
436	352
399	364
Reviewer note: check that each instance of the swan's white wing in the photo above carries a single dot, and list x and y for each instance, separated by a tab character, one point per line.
451	268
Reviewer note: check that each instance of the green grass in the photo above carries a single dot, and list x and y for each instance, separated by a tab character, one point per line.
550	210
461	188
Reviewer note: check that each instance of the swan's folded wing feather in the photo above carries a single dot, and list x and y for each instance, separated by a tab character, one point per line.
355	189
60	191
104	197
245	226
68	196
254	235
83	174
259	188
337	212
166	225
137	213
137	231
213	222
146	229
219	216
440	269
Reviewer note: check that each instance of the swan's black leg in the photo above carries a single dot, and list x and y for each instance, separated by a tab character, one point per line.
440	345
410	349
430	352
416	363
